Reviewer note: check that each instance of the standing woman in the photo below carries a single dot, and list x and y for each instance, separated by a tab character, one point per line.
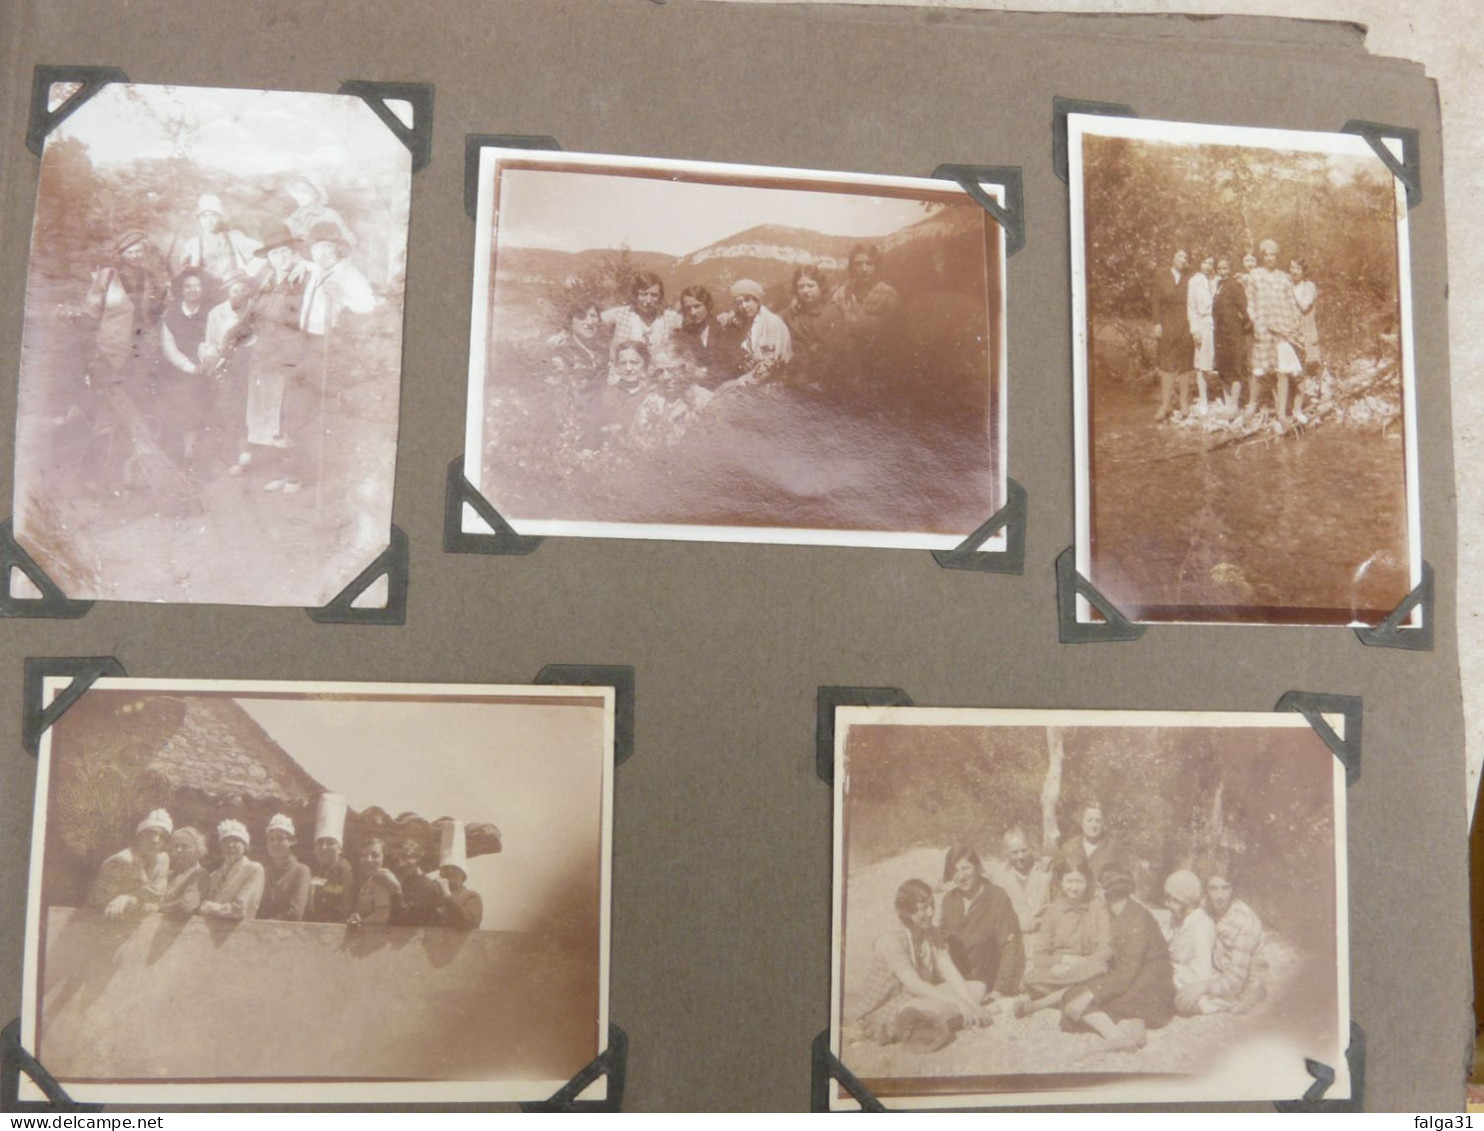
1138	991
380	893
1306	293
1200	295
1233	326
237	886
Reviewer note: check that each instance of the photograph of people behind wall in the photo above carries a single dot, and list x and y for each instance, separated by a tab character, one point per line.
285	892
683	350
1246	415
1087	906
211	359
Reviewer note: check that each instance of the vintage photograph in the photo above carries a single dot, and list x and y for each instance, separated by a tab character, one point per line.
1078	907
669	349
212	350
1245	400
320	893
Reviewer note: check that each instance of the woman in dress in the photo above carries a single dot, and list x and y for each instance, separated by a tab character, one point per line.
913	979
1200	297
1073	944
135	878
1192	934
1137	992
1306	293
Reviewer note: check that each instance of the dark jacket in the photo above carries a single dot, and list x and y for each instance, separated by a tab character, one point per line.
1167	308
984	939
1233	330
1140	983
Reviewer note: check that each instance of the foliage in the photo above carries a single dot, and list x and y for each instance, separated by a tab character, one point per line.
1143	200
1256	800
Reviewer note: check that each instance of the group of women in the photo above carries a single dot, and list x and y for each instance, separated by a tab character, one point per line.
162	872
634	375
1235	331
1093	952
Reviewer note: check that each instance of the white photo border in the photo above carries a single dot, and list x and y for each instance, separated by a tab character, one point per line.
1138	1090
490	159
1201	133
351	1093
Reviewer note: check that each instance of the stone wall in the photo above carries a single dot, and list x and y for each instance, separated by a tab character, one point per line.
162	998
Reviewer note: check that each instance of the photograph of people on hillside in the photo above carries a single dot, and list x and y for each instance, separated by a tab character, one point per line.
286	893
684	350
211	359
1087	906
1246	425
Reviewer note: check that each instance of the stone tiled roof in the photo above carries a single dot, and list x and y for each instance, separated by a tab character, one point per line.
219	751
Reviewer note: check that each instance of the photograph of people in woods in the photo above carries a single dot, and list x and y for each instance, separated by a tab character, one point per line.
211	358
1246	426
1069	907
684	350
410	920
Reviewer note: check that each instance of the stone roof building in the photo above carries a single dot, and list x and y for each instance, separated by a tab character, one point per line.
118	754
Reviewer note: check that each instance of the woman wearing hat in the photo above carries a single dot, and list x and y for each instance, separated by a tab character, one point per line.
189	879
285	880
1192	932
461	908
313	202
1138	991
237	886
766	340
135	877
216	248
127	300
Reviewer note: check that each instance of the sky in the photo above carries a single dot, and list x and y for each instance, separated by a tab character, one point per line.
530	770
237	132
579	211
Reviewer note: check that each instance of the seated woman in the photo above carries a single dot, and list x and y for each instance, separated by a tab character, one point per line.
286	886
136	877
237	886
461	909
1138	991
380	894
982	927
912	975
1238	970
1073	944
1192	939
189	879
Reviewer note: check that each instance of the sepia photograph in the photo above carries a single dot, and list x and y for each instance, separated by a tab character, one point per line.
212	348
1246	445
705	352
247	892
1087	907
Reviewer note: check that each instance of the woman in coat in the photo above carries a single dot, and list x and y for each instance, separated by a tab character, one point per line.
237	886
1138	991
